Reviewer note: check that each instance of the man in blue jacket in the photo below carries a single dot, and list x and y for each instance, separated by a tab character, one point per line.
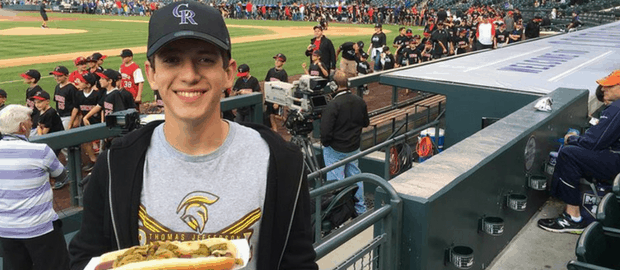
595	154
197	176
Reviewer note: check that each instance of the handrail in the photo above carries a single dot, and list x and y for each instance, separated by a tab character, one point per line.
390	213
324	170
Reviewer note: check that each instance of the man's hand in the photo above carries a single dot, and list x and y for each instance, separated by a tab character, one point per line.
303	65
86	122
138	99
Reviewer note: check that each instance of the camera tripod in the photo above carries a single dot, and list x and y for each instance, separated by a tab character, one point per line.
310	158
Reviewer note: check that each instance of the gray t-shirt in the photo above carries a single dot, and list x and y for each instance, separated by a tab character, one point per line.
220	194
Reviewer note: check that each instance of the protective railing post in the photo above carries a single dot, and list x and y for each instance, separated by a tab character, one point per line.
394	96
74	163
386	171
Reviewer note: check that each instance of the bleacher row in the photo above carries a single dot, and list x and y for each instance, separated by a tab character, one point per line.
598	246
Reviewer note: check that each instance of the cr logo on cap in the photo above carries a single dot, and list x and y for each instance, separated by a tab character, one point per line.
185	15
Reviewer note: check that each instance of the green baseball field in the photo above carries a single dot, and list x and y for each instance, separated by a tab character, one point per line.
25	45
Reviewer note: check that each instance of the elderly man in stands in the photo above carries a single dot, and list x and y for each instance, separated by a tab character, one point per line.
30	230
594	155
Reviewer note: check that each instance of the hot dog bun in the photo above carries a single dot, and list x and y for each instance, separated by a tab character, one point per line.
209	263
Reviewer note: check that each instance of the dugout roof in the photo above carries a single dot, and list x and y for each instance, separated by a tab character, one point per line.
573	60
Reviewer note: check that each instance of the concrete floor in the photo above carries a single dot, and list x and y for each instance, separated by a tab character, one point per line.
534	248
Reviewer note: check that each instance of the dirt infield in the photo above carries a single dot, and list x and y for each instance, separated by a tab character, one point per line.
282	33
38	31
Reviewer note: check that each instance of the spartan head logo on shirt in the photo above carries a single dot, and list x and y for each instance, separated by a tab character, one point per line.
194	209
186	15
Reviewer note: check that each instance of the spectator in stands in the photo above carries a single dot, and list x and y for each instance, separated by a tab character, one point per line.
342	122
485	35
595	154
30	230
501	35
509	21
2	99
517	34
532	28
575	22
325	47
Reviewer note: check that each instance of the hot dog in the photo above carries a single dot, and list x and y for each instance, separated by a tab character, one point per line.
214	253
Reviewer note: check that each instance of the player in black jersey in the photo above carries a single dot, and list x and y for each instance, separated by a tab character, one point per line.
501	35
387	59
63	94
86	98
31	78
316	68
276	73
427	53
377	42
461	42
363	68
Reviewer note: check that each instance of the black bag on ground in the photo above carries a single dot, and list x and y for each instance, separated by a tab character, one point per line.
337	206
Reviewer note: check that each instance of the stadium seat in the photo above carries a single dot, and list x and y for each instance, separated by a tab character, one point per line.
597	248
608	212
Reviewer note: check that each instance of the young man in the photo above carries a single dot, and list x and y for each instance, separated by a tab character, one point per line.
461	42
501	35
363	68
196	154
43	14
85	100
132	79
31	233
594	154
387	59
323	45
276	73
114	100
49	122
2	99
245	84
31	78
63	94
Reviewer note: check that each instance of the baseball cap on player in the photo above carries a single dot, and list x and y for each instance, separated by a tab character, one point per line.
41	95
360	44
280	57
187	19
98	56
126	53
243	70
317	53
317	27
31	74
378	25
2	93
364	55
88	78
109	74
409	32
611	80
79	61
60	71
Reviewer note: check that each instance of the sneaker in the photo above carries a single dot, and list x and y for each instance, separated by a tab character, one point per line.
366	92
563	224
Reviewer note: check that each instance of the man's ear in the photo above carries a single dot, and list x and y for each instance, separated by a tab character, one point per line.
150	74
230	73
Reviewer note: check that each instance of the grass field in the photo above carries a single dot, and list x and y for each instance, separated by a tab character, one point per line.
104	34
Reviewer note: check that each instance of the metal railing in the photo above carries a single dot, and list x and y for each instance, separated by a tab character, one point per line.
384	250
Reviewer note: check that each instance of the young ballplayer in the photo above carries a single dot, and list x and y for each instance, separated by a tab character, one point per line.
86	98
276	73
427	53
43	12
316	68
245	84
63	94
81	69
461	42
49	120
132	79
114	100
387	59
377	41
501	35
363	68
31	78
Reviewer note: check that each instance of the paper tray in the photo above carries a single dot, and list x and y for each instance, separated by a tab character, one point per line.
243	251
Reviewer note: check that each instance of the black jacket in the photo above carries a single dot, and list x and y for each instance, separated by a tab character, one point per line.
342	122
285	233
328	53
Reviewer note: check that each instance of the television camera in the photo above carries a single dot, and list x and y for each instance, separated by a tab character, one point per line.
305	99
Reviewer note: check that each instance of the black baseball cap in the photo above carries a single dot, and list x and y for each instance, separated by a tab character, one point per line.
89	78
243	70
317	53
2	93
364	55
317	26
31	74
187	19
280	57
360	44
98	56
41	95
126	53
60	71
109	74
378	25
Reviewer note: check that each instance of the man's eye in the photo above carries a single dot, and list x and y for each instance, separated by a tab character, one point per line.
170	59
207	60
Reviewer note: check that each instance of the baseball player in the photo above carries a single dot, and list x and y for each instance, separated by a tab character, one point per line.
63	94
43	14
31	78
82	69
132	79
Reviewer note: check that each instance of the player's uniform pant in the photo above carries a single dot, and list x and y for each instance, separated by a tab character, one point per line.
574	163
332	156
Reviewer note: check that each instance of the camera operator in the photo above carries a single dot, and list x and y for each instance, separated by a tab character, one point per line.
341	129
